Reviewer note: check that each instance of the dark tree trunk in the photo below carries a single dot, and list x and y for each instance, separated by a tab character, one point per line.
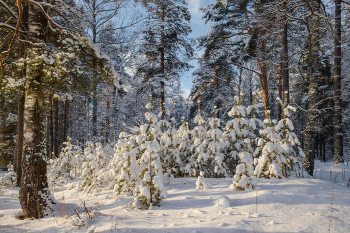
263	77
284	57
312	76
162	68
338	135
65	120
54	129
21	102
33	193
19	142
280	84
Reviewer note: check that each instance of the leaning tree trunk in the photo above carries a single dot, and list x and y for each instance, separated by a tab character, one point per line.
33	193
338	135
312	76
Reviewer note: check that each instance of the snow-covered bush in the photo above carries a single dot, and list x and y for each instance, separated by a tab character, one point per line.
9	178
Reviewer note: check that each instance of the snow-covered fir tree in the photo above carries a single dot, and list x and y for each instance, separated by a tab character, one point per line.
150	190
184	146
124	171
271	157
217	148
200	159
241	135
293	154
171	160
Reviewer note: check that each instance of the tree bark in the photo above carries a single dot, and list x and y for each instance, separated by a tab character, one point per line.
34	193
338	135
21	102
19	142
53	128
284	62
65	120
162	68
263	77
312	76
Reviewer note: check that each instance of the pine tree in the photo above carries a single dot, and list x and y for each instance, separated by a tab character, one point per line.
165	45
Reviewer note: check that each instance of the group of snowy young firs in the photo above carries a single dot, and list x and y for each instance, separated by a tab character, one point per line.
144	159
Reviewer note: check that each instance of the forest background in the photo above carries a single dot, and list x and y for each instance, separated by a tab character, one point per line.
83	69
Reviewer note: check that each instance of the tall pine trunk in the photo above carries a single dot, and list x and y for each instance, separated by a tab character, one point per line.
34	191
263	77
19	141
284	62
162	68
65	120
312	77
21	101
54	129
338	135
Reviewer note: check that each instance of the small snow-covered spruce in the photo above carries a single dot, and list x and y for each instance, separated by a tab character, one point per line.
9	178
184	145
200	159
240	133
293	154
150	190
66	166
124	167
216	147
90	166
271	157
232	134
171	161
244	177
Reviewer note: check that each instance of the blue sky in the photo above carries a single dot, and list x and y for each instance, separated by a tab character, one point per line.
199	28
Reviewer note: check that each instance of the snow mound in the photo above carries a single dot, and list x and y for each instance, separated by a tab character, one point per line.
222	201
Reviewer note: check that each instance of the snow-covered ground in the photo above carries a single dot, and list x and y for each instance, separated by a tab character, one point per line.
285	205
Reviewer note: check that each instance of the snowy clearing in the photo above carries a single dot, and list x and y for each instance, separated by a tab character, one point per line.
284	205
